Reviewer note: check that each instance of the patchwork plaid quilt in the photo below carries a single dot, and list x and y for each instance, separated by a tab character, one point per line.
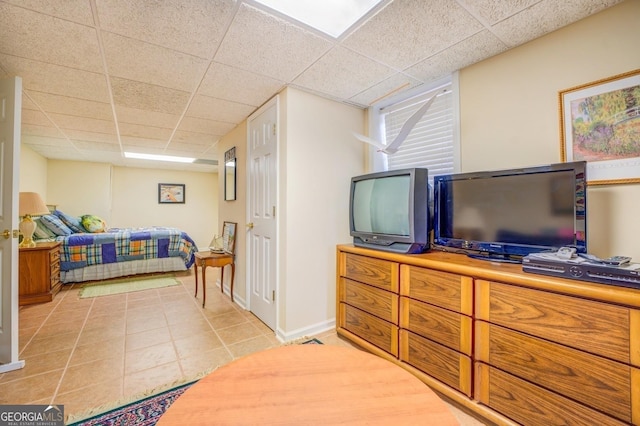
120	245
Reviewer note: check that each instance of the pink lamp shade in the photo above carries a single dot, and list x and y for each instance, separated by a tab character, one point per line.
31	204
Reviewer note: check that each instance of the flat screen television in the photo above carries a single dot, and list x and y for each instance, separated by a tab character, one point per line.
390	210
507	214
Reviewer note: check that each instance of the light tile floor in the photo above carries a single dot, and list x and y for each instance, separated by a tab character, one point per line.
90	353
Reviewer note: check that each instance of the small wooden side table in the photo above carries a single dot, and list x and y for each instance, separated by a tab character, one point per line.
217	260
39	273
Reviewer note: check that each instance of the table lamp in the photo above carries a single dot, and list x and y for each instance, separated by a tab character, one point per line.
31	204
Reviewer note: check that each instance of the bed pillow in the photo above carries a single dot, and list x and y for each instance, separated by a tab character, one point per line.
93	224
42	232
55	225
72	222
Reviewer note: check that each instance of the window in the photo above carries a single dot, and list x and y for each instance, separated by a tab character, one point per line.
432	143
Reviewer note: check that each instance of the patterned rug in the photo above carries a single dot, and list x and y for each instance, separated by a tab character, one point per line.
126	285
146	411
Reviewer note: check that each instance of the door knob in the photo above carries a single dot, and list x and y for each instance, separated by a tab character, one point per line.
8	234
250	225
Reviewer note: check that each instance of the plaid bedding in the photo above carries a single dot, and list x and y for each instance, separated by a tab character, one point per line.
121	245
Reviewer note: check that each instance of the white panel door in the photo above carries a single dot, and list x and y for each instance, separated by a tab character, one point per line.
10	106
262	210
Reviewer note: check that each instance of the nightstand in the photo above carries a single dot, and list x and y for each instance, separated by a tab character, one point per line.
39	273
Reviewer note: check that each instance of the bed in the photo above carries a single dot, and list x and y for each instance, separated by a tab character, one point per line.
116	252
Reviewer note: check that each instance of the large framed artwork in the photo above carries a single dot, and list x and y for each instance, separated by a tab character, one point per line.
600	124
171	193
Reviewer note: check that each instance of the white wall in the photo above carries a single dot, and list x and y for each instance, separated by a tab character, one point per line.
510	112
318	157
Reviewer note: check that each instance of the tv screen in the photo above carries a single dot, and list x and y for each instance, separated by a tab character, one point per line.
512	212
389	210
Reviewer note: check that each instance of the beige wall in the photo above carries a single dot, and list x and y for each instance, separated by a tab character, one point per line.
125	197
135	201
235	211
33	172
509	113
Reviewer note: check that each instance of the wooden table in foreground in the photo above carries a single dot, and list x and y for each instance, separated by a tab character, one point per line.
309	384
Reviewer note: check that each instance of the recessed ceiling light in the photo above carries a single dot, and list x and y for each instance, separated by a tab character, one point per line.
332	17
156	157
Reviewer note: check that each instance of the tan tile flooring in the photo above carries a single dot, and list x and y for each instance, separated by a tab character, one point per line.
88	353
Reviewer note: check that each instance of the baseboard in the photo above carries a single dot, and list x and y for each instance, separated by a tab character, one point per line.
311	330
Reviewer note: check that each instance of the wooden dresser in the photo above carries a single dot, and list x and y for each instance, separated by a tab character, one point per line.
514	347
39	273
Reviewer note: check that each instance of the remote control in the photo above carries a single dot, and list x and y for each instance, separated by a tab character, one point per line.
616	260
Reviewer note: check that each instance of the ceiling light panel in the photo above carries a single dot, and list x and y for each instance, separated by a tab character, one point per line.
332	17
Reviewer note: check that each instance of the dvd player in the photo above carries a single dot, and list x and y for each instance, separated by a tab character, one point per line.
579	268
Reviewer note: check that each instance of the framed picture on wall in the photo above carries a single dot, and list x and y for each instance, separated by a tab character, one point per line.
171	193
600	124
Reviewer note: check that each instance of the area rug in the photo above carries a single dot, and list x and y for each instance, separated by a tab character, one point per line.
126	285
145	412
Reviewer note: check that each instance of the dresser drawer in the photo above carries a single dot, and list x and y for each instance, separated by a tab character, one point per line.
373	300
603	384
376	272
449	366
440	325
443	289
529	404
376	331
596	327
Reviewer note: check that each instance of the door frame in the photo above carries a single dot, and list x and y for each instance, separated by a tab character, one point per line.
270	103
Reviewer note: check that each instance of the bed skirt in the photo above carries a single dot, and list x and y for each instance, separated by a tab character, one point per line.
121	269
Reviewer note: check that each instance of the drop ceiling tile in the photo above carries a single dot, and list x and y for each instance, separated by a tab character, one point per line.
83	123
58	152
48	39
196	139
132	143
72	106
405	32
72	10
386	88
545	17
91	136
135	60
190	26
146	118
218	109
42	77
476	48
27	103
30	116
342	73
96	146
201	125
147	132
37	140
225	82
135	94
492	12
273	47
39	130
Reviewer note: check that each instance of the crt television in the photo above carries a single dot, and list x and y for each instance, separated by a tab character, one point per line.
507	214
389	210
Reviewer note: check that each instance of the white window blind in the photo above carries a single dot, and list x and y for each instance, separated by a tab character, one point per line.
431	142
